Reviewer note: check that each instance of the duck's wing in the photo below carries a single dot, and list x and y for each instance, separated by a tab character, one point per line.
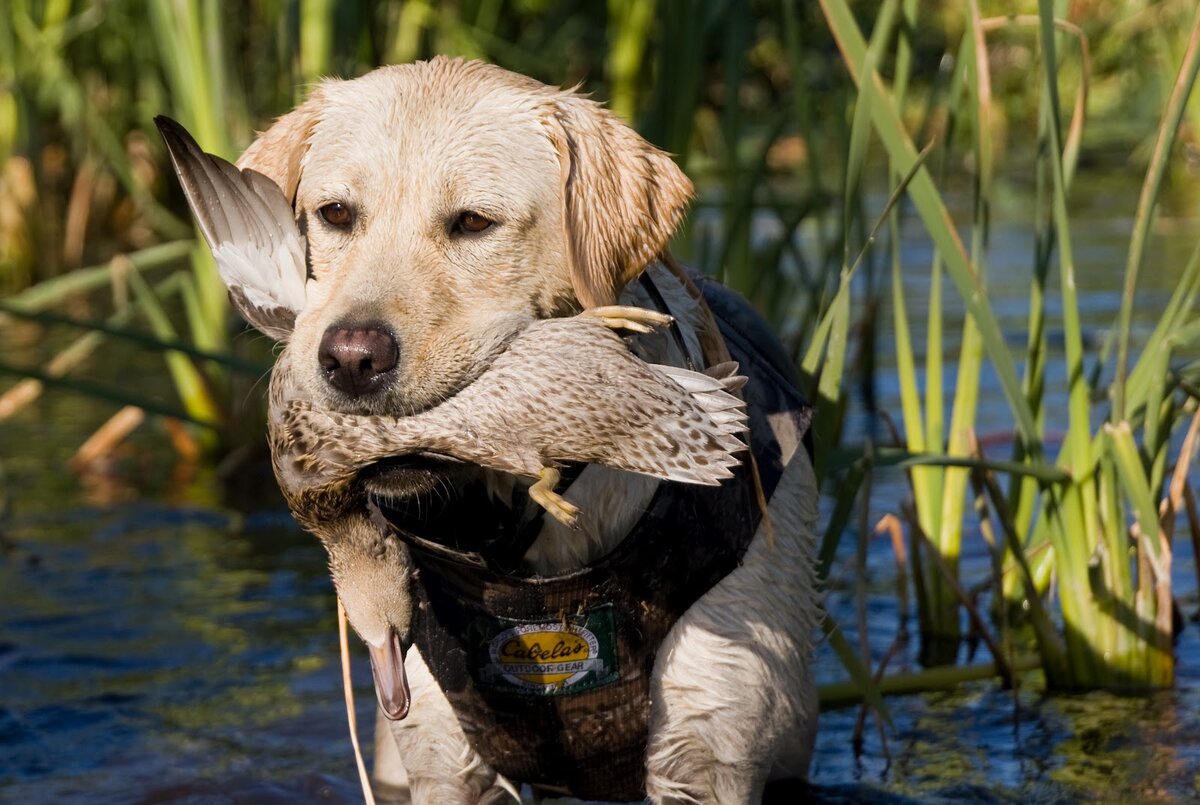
575	392
698	442
250	227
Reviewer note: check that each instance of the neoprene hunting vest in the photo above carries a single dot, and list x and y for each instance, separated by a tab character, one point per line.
550	675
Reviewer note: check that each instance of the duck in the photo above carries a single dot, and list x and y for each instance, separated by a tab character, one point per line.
564	390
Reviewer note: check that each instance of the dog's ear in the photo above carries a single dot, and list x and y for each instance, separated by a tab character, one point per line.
278	153
622	197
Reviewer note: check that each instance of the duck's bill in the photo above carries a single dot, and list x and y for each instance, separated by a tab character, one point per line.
391	683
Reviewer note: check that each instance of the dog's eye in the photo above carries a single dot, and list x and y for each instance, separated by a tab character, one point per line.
336	214
471	222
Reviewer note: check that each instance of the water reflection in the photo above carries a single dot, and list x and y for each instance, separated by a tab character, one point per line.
154	654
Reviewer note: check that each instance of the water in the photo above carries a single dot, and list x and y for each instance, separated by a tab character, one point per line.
156	645
166	633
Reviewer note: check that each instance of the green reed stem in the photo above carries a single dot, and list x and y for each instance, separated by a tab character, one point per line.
1168	131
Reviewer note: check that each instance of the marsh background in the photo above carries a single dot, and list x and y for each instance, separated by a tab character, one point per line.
166	632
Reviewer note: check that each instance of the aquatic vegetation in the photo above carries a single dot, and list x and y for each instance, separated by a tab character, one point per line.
1108	517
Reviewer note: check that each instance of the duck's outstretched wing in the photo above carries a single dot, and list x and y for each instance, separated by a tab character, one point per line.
250	228
698	441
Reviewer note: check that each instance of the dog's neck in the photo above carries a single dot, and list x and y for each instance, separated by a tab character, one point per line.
612	501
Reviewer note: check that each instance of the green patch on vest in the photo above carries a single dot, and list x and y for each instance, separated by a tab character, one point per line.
546	658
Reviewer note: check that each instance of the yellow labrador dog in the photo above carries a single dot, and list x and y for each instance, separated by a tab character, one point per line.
444	205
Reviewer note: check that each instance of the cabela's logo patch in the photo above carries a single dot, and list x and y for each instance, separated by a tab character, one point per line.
550	657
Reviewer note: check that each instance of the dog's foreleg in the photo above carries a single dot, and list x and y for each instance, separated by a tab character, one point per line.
441	767
732	689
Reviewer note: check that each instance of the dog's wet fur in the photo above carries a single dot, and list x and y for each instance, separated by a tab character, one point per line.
446	204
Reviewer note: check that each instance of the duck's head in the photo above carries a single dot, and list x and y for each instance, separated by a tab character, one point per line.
373	574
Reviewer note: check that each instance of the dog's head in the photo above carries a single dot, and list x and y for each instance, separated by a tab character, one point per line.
445	204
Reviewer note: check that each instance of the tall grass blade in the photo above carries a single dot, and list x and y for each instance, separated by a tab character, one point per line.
107	393
1133	478
51	292
194	388
860	675
1168	131
316	38
848	488
834	695
142	339
933	213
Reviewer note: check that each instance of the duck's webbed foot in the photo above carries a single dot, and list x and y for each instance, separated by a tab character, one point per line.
627	317
542	493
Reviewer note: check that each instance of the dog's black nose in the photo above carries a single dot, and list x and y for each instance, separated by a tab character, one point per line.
357	358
